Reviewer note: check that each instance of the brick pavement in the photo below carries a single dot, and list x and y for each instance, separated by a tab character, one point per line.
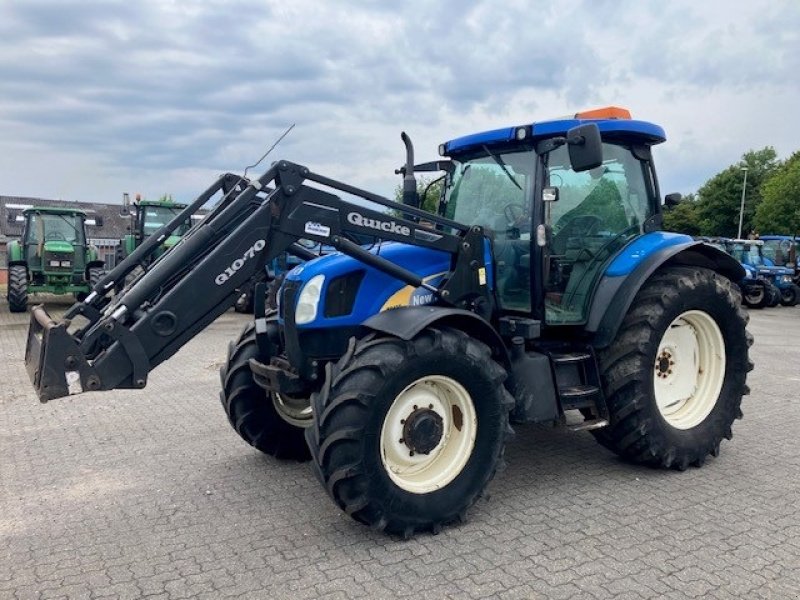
132	494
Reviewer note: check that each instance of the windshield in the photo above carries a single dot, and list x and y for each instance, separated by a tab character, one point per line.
491	190
54	227
781	252
748	254
494	190
155	217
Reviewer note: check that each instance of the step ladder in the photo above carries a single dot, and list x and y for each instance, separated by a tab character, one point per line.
578	387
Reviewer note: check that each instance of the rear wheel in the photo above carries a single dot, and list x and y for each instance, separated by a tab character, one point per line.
259	419
790	295
675	375
408	434
755	295
774	295
17	288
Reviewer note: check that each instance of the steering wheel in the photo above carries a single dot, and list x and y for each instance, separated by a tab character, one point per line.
514	213
55	236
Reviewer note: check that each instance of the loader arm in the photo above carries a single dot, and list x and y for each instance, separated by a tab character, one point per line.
121	340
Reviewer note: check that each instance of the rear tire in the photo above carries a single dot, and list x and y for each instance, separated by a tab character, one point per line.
774	295
755	295
668	408
17	294
790	295
250	410
408	434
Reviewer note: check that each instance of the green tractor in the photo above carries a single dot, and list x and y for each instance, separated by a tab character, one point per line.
53	257
147	217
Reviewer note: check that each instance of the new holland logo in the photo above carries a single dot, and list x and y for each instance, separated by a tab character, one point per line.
388	226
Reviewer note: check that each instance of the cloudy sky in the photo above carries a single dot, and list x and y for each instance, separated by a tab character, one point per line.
159	96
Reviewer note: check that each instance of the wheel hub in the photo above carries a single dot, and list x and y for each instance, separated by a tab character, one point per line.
664	364
422	430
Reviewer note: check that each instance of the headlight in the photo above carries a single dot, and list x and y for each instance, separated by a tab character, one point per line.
308	301
786	278
55	263
66	263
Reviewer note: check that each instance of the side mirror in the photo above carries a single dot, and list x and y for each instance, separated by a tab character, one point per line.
585	147
550	194
125	210
673	199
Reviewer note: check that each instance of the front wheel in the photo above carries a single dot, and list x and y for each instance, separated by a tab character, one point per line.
408	434
774	295
675	375
272	425
17	294
790	295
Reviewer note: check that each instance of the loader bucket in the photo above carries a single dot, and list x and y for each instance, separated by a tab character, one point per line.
53	359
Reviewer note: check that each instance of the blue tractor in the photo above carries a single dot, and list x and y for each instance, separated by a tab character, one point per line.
783	251
779	285
541	291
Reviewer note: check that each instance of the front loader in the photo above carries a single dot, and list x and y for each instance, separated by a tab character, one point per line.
541	291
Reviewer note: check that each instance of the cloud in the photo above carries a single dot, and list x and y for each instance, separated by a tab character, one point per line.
157	96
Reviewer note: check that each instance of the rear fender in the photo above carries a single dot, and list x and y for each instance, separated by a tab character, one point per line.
615	293
407	322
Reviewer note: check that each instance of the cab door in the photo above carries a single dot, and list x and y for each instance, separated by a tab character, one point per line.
596	214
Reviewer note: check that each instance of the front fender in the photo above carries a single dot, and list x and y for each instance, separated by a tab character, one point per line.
14	252
406	322
617	288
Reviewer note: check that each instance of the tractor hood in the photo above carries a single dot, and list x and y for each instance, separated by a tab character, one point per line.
372	291
58	246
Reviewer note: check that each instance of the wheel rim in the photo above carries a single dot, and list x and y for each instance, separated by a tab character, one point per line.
428	434
296	411
689	369
755	296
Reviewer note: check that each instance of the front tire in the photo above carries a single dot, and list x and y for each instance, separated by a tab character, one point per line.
790	295
250	409
17	294
675	375
408	434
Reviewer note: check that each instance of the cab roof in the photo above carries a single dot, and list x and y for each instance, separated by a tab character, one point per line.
54	210
612	121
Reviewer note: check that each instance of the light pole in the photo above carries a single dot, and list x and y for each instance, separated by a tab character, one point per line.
741	208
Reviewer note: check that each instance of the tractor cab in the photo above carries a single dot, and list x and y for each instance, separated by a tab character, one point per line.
147	217
555	226
54	240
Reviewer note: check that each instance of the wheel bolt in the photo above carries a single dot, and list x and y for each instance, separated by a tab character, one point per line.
411	453
430	406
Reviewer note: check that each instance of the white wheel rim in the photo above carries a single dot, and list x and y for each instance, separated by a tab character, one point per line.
294	412
421	473
689	369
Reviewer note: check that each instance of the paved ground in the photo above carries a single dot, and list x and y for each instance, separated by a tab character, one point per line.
151	494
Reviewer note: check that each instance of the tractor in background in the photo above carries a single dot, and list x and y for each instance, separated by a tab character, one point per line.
147	217
783	251
53	257
781	289
542	290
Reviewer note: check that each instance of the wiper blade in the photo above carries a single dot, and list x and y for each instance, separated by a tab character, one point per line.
503	166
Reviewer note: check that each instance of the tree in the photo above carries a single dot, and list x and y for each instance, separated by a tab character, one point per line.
779	211
430	201
720	197
683	218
